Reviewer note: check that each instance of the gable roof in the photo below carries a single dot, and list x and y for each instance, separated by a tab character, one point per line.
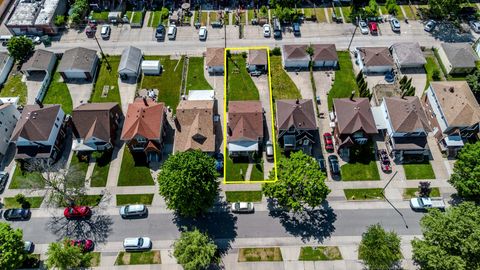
131	59
93	120
35	123
406	114
245	120
257	57
460	55
354	115
324	52
195	127
408	53
143	119
295	52
3	58
214	57
78	58
297	113
457	102
376	56
40	60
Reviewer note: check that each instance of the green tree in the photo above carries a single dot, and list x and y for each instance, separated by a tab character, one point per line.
194	250
372	9
11	247
392	7
473	81
20	47
263	11
379	249
300	183
62	255
78	11
466	172
445	9
59	20
188	182
451	239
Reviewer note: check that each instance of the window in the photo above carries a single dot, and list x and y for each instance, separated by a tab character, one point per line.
56	125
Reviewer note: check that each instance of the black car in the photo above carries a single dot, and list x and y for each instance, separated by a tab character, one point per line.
321	163
296	29
3	181
160	32
333	162
16	214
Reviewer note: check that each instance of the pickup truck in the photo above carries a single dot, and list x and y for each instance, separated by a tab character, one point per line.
424	203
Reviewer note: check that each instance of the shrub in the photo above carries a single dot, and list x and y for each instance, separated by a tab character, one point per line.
59	20
436	75
276	51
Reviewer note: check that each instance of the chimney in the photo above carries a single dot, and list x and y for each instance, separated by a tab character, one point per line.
352	95
145	101
451	89
40	104
297	101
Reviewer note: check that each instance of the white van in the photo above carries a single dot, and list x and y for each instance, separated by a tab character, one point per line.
172	32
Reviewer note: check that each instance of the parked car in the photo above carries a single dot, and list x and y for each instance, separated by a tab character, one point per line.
395	24
105	32
373	26
17	214
363	27
133	210
160	32
90	31
333	162
86	245
137	243
3	181
277	29
269	150
296	29
172	32
242	207
424	203
430	26
28	247
475	25
267	30
73	212
384	160
321	163
327	138
202	33
219	162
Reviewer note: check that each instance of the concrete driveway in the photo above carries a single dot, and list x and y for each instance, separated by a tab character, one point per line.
80	91
419	80
33	87
217	84
127	92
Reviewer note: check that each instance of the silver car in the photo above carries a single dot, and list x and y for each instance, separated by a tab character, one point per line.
430	25
133	210
475	25
242	207
395	24
363	27
137	243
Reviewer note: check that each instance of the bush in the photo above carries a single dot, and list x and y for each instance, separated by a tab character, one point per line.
22	200
436	75
244	54
276	51
59	20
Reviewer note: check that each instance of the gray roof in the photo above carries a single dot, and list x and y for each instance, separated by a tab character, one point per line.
3	58
131	59
79	59
460	55
34	12
40	60
408	54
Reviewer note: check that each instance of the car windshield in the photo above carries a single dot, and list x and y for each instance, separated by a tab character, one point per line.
363	24
140	242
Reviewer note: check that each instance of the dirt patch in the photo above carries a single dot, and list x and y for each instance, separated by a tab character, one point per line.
260	254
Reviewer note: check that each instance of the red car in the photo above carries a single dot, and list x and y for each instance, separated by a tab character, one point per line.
72	212
327	138
86	245
373	26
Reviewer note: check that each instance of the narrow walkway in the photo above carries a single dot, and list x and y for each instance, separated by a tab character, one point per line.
248	173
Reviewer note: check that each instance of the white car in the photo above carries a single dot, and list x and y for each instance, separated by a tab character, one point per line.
430	25
133	210
105	32
242	207
475	25
363	27
395	24
137	243
202	34
267	30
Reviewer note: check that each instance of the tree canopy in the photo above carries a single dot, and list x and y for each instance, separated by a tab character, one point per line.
379	249
62	255
300	183
20	47
451	239
78	11
392	7
11	247
188	182
445	8
194	250
473	81
466	172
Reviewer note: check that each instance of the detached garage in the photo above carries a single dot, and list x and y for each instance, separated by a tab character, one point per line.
129	67
151	67
324	56
295	56
78	64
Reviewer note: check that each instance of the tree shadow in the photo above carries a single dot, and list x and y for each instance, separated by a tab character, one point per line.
96	228
310	224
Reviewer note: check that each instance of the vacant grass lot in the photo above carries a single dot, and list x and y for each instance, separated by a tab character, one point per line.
282	85
132	258
240	85
364	194
319	253
195	76
100	171
418	171
409	193
243	196
14	87
107	78
344	82
24	179
123	199
57	93
260	254
134	172
10	202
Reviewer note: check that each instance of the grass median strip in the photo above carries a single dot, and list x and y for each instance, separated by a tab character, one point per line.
271	254
364	194
409	193
243	196
123	199
132	258
415	171
328	253
11	202
95	259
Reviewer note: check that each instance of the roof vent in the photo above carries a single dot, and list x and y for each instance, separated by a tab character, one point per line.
451	89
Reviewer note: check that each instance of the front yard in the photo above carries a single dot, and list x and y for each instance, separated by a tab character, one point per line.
79	165
106	86
23	179
282	85
134	172
415	171
362	165
100	171
195	76
240	85
236	171
344	82
57	93
14	87
363	194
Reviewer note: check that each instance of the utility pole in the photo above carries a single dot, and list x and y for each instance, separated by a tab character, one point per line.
353	34
109	68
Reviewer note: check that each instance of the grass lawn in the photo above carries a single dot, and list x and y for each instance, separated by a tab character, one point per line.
418	171
233	170
23	179
344	79
168	83
346	14
100	171
58	93
240	84
10	202
123	199
337	11
362	165
195	76
430	66
79	166
137	17
107	78
213	16
408	11
100	16
364	194
155	18
89	200
145	257
250	15
282	85
319	12
134	172
244	196
203	18
260	254
14	87
96	259
242	18
257	172
383	9
320	253
409	193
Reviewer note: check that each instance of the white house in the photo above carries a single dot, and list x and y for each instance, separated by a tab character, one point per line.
214	60
6	63
151	67
374	59
130	63
9	116
295	56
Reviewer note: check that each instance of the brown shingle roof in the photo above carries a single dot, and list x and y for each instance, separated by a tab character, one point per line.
93	120
300	116
36	123
324	52
39	60
406	114
458	103
257	57
195	128
295	52
354	115
143	120
214	57
77	58
376	56
245	120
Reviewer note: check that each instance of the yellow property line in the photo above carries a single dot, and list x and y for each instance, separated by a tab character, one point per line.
225	154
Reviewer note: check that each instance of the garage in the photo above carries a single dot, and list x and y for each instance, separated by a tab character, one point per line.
78	64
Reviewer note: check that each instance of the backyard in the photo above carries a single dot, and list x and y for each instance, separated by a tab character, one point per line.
430	68
344	79
282	85
58	93
195	76
14	87
106	86
418	171
134	171
240	84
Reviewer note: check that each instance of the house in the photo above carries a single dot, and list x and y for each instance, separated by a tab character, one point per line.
40	132
257	60
244	128
144	128
40	64
354	123
95	126
457	58
9	116
453	112
374	59
295	56
408	55
214	60
78	63
6	63
195	127
35	17
130	63
324	56
405	124
296	124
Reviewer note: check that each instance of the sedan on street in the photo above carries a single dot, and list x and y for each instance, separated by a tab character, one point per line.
242	207
395	24
373	26
363	27
17	214
160	32
28	247
105	31
77	212
133	210
202	34
137	243
327	138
